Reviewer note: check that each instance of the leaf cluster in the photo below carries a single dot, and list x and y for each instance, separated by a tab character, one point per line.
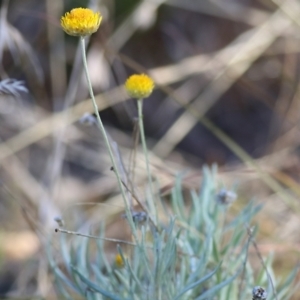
201	253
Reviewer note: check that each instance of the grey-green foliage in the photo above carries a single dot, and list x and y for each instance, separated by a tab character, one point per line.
198	255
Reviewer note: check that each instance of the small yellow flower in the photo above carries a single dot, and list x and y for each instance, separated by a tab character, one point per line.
119	261
80	21
139	86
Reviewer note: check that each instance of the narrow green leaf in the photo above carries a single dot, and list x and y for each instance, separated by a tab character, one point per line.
191	286
94	286
212	292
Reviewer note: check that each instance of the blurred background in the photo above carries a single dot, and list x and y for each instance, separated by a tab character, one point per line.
227	92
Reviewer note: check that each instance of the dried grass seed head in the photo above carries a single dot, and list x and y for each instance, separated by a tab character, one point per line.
81	21
259	293
226	197
59	221
12	87
139	86
88	119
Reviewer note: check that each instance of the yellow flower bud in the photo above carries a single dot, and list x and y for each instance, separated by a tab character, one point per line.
139	86
119	261
80	21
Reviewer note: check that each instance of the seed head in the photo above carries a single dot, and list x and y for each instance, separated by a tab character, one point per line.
259	293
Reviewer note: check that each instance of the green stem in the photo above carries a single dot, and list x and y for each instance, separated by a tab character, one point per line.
101	126
142	132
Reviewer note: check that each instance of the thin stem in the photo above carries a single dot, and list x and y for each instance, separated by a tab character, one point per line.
95	237
142	132
101	126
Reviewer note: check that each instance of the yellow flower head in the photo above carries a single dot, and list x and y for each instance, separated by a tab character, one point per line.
119	261
80	22
139	86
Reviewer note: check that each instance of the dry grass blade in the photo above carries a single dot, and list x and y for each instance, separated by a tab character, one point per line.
20	50
231	11
57	67
57	121
141	17
253	44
